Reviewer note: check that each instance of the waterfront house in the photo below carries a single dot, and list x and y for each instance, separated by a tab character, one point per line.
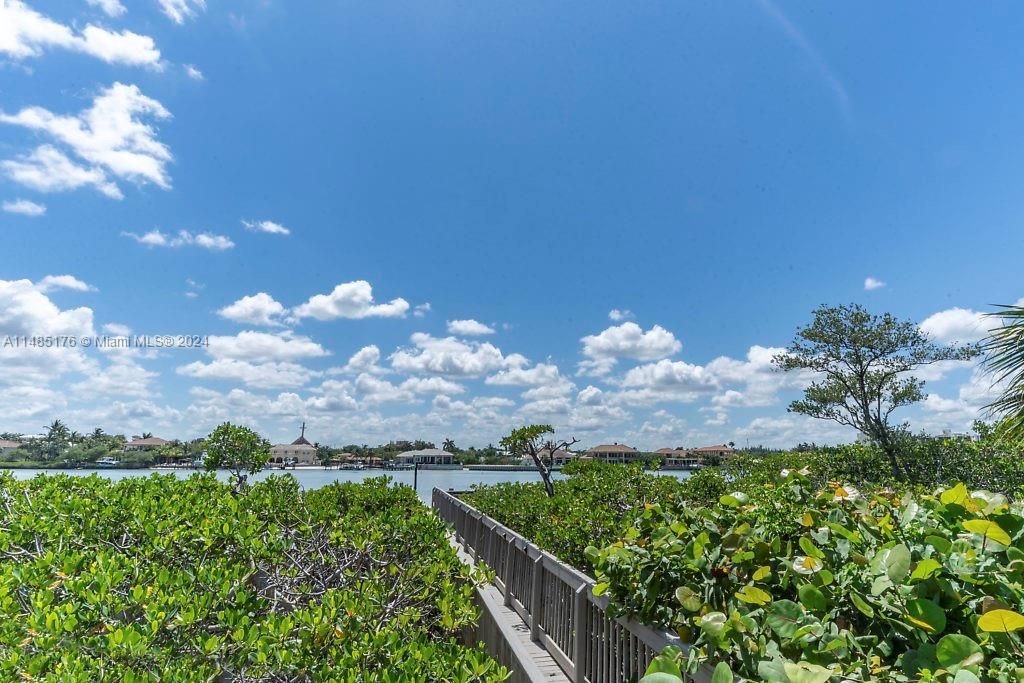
560	458
147	444
678	458
427	457
298	452
615	453
722	452
6	445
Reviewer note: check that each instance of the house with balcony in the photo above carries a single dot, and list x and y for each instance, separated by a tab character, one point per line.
614	453
678	458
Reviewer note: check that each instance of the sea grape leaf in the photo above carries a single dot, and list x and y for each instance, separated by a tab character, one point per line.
988	530
812	598
926	615
1001	621
784	617
957	650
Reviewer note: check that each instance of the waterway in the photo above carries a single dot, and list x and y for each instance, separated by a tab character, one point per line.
427	480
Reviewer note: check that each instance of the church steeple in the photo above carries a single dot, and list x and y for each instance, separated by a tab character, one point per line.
302	438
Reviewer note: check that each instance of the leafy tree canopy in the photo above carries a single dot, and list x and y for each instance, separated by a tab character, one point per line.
859	365
238	449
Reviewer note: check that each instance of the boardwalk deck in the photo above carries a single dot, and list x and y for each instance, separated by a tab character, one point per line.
543	613
530	661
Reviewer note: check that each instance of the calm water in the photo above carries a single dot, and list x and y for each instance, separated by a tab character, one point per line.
428	479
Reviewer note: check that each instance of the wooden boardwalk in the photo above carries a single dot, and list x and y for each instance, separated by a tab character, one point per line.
540	617
534	663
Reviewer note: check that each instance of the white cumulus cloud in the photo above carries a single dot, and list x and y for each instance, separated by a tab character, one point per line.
47	169
957	325
24	207
263	346
25	33
110	138
269	375
52	282
350	300
871	283
468	328
258	309
628	340
451	357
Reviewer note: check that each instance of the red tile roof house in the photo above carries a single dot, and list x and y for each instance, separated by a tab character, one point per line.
616	452
6	445
137	444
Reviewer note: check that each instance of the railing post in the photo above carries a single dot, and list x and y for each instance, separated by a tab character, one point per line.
479	537
536	599
509	557
581	634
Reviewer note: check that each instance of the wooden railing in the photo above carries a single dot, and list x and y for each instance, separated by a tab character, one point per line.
557	602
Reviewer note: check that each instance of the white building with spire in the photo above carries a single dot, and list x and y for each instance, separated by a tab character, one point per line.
298	452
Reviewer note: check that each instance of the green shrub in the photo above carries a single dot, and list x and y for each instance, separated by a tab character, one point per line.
160	579
590	506
794	585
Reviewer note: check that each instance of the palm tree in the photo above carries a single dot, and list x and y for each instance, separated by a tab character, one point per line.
147	435
1004	359
57	435
448	445
98	433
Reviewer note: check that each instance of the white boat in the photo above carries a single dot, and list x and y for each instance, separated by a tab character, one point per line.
108	462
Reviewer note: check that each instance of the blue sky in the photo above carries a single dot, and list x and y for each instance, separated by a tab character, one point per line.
711	171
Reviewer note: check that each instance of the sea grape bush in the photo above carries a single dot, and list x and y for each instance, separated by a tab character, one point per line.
989	463
160	579
858	587
588	507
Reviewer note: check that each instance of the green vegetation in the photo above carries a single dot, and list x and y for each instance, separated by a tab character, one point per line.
1004	358
782	574
237	449
526	440
589	507
800	586
160	579
864	362
991	462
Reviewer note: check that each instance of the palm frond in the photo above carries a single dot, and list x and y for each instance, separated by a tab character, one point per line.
1004	360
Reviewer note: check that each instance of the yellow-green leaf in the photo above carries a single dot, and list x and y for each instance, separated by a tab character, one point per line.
958	495
1001	621
753	595
925	568
988	530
